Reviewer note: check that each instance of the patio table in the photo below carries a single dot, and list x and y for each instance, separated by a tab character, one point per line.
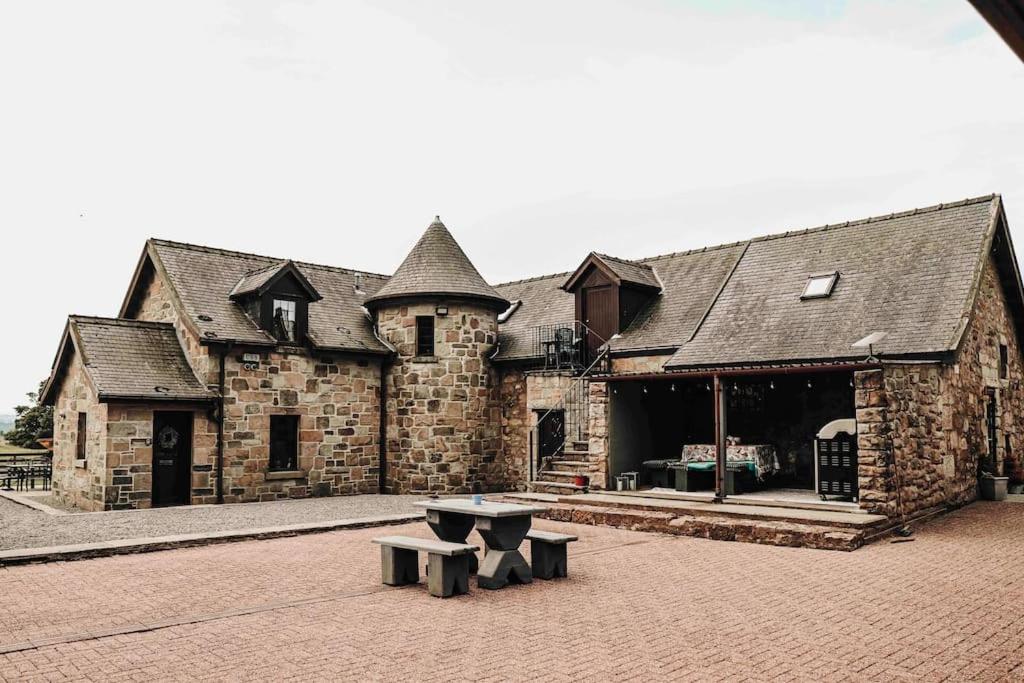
503	526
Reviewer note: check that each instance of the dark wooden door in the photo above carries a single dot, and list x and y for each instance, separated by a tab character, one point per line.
551	433
172	457
600	314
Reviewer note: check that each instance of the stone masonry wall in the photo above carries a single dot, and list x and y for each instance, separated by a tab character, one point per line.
336	398
632	365
129	449
76	483
443	412
338	403
598	433
923	427
515	427
157	306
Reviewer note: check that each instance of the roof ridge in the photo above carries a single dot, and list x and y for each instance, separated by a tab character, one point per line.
874	219
122	322
621	260
232	252
533	279
828	226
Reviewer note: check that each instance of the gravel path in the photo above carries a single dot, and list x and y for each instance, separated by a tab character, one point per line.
23	527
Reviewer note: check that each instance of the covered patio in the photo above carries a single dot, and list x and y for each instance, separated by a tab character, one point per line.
748	435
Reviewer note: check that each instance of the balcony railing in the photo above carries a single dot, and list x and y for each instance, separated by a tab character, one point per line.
561	346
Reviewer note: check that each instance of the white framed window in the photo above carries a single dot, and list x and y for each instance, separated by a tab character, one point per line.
284	319
819	286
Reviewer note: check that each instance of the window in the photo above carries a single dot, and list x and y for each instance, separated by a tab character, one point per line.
819	286
83	424
1004	362
284	319
424	335
284	442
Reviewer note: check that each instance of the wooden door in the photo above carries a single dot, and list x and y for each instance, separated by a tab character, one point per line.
551	433
172	457
600	315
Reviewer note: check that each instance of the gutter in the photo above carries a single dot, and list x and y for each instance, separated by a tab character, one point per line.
382	422
221	374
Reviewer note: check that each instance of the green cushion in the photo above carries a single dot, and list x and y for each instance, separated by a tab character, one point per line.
709	466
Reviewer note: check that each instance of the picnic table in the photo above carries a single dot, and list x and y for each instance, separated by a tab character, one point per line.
503	526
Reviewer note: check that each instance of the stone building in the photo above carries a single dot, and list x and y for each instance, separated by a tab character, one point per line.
230	377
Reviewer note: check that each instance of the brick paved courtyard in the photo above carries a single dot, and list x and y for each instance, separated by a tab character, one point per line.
948	606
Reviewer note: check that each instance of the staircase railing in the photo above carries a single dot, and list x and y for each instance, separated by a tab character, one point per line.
574	403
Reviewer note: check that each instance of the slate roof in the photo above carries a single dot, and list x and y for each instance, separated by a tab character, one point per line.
128	359
204	277
910	274
437	266
690	282
544	302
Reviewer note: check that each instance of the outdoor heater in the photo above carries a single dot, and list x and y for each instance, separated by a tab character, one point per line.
835	460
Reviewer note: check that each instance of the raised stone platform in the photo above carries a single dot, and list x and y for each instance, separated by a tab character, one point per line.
822	529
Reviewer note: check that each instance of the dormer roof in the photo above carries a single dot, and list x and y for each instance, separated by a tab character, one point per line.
261	280
620	271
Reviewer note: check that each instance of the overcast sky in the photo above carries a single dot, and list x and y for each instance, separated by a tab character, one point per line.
334	131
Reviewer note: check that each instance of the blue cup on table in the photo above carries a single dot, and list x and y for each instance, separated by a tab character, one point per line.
478	499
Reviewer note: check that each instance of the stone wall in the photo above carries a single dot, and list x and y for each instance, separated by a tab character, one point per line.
515	427
76	483
922	427
157	305
129	452
598	433
338	404
631	365
443	412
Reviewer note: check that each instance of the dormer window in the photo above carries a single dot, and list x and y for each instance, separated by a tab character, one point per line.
284	320
820	286
277	298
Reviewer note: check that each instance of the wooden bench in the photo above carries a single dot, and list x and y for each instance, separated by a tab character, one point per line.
547	551
447	563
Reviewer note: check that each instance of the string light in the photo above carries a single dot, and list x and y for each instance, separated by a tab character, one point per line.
673	387
809	385
771	384
644	388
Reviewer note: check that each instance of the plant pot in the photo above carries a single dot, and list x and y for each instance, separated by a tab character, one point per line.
993	488
580	480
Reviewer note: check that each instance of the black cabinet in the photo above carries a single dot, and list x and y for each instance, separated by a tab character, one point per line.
835	459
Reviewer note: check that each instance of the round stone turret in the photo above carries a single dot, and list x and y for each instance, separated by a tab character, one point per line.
443	410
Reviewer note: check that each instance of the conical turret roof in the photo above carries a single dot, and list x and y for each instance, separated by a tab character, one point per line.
437	267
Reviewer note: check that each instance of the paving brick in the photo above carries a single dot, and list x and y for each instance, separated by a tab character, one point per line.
637	606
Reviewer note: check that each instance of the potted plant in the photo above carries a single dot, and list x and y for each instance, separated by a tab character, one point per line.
993	487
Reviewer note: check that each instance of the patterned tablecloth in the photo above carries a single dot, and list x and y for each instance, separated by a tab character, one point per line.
762	455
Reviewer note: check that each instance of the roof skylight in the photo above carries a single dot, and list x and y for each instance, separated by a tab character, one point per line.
820	286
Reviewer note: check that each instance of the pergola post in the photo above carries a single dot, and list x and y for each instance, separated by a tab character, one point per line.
721	430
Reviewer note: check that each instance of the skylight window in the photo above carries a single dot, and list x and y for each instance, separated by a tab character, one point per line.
819	286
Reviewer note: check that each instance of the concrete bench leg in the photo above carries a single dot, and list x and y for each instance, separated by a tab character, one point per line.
502	567
549	560
398	566
447	576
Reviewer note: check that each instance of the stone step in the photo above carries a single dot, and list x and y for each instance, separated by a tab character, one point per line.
538	486
574	454
582	446
557	474
571	465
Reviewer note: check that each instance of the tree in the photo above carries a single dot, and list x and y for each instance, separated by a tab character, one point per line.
33	422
